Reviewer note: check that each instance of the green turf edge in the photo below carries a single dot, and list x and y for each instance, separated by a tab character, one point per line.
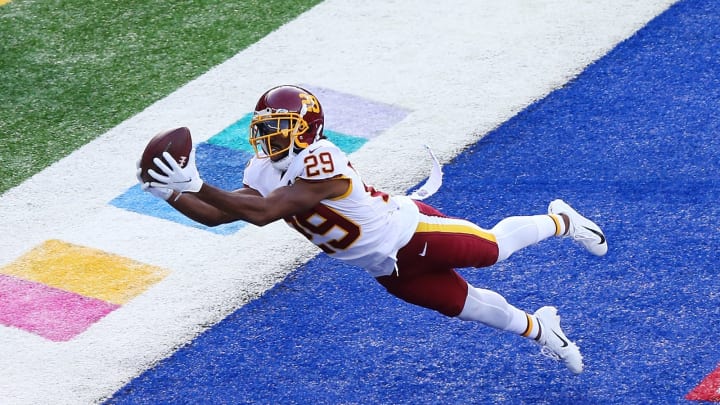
74	69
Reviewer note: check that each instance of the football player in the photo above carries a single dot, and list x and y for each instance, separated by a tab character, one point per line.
409	247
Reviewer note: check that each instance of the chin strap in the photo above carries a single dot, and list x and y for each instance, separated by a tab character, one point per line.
433	183
284	163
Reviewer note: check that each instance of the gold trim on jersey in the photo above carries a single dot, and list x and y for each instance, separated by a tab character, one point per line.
347	192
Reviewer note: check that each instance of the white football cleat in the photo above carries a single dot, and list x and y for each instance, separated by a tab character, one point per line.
554	342
582	230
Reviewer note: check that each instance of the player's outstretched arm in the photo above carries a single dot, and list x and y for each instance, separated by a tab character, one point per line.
281	203
179	186
210	205
200	211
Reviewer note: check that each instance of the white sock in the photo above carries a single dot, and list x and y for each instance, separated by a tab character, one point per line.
493	310
515	233
533	328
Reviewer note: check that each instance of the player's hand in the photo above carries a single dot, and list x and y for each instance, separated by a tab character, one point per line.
162	193
175	177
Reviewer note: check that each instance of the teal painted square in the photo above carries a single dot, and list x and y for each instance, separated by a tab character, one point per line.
235	136
346	143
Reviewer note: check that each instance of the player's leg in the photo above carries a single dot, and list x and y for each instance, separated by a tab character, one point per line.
468	245
442	291
448	293
518	232
454	242
515	233
442	242
543	326
492	309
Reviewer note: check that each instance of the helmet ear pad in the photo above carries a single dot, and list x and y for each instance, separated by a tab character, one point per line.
313	133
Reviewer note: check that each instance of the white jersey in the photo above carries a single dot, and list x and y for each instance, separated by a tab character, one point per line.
363	227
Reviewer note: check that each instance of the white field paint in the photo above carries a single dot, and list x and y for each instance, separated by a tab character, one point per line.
462	67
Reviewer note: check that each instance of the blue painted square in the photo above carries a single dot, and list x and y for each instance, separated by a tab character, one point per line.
221	166
136	200
218	165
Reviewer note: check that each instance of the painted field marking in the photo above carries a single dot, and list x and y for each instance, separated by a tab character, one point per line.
57	290
351	120
708	389
50	312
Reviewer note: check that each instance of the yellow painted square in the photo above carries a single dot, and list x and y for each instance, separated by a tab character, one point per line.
85	271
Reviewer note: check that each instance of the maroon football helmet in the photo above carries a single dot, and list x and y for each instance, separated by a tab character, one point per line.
291	113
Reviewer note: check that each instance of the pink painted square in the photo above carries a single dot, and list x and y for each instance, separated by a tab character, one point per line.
46	311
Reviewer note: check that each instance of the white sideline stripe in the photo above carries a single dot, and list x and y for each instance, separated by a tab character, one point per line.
460	66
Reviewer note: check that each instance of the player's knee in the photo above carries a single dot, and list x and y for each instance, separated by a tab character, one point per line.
487	307
449	301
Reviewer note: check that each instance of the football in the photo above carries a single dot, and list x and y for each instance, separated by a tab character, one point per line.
177	141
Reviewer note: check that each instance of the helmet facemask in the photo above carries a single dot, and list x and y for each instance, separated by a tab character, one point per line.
275	135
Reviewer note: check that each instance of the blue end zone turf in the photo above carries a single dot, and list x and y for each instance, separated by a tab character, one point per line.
633	143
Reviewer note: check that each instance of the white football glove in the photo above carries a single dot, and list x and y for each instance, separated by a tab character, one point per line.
162	193
175	177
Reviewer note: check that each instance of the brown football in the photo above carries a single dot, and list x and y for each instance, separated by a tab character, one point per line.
177	141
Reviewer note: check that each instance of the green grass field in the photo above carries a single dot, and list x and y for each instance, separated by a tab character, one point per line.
71	70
